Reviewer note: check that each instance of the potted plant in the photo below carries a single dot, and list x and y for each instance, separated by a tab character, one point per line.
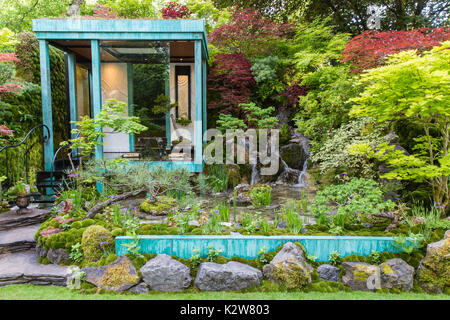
21	194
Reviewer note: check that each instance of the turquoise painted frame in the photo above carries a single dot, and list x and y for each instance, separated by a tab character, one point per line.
130	100
247	247
47	117
122	29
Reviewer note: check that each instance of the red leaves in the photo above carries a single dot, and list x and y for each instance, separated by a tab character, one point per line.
5	131
174	10
369	49
10	87
230	81
249	33
292	94
102	12
49	231
8	57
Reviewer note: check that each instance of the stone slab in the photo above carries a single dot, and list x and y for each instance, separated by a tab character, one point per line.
10	219
22	267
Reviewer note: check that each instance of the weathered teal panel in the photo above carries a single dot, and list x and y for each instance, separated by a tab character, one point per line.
96	89
171	165
198	127
47	117
121	29
130	89
204	99
247	247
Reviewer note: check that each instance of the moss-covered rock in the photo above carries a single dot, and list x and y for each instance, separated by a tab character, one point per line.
117	276
161	206
94	241
433	273
359	275
396	274
289	267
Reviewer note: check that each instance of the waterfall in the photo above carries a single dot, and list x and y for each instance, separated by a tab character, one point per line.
301	177
255	174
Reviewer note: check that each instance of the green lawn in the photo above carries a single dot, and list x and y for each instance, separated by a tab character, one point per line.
32	292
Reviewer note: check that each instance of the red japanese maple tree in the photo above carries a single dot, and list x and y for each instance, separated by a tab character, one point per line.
250	33
5	131
10	86
369	49
173	10
230	81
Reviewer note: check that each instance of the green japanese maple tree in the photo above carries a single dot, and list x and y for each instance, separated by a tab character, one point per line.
416	87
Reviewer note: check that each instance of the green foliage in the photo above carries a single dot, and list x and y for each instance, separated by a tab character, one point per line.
410	86
260	195
205	9
407	244
316	45
7	40
431	217
356	197
258	117
333	152
162	104
262	255
268	74
133	247
290	213
212	253
325	107
195	259
17	15
375	257
216	178
94	239
133	9
88	133
227	121
76	253
335	258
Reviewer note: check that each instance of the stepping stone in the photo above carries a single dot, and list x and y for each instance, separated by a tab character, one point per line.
19	239
10	219
22	267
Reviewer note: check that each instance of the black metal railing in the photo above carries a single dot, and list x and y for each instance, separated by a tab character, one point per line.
27	149
52	168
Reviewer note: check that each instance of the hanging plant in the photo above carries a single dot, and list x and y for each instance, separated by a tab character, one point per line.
183	121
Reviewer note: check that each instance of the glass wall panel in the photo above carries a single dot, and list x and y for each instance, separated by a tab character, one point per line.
83	99
135	72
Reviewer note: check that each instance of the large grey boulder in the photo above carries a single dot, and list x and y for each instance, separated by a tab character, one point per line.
117	276
289	266
57	256
396	273
163	273
223	277
361	276
328	272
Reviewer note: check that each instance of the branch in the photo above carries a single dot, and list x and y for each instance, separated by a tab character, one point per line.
389	215
97	208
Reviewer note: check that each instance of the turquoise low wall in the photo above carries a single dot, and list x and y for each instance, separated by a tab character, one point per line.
247	247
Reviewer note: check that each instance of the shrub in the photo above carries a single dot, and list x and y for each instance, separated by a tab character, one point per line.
261	195
354	198
94	239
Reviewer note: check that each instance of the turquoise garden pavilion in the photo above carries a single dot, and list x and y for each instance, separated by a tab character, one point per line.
133	61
